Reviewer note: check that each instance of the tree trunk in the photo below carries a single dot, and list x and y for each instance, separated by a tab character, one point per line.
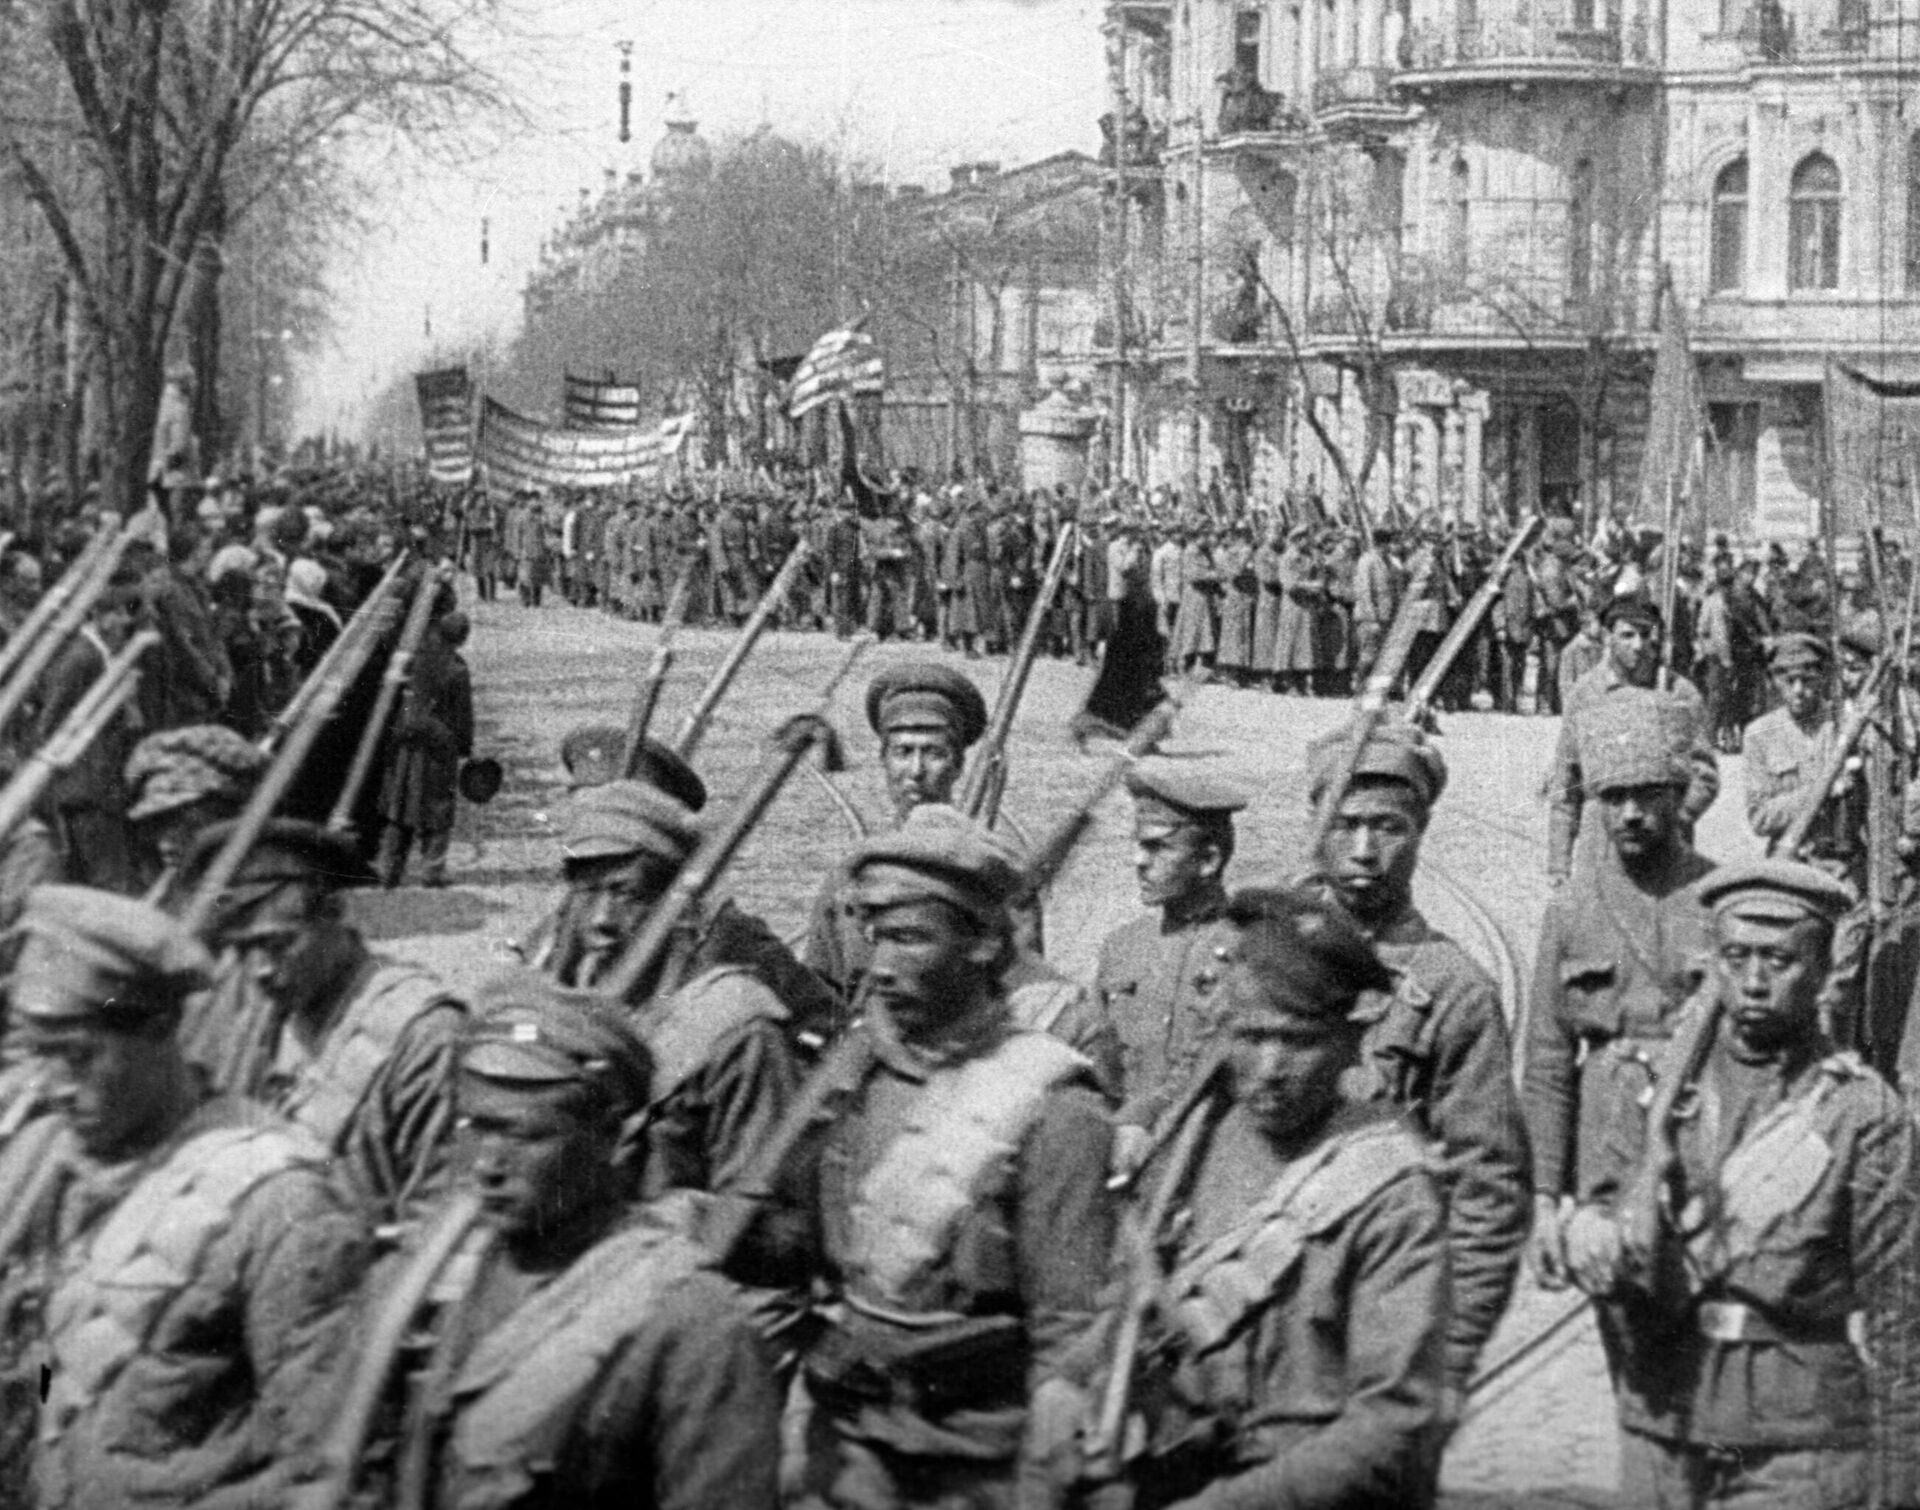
201	317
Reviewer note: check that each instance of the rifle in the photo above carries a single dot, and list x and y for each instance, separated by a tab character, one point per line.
687	740
1420	698
53	601
97	707
1866	706
73	605
287	761
342	1451
986	782
647	698
399	672
303	698
703	869
1640	1201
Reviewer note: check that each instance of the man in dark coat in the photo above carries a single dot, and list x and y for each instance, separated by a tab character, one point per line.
432	735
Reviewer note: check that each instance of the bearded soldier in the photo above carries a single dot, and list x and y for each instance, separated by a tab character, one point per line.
177	1262
1771	1350
585	1355
1436	1043
1158	976
958	1203
927	716
1298	1358
355	1049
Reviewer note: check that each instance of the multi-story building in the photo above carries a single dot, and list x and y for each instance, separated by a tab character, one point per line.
1410	250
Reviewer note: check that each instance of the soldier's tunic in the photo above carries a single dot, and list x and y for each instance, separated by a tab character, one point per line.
1783	758
1614	965
1299	1364
1044	999
964	1228
373	1085
1785	1345
196	1296
1566	796
1158	980
1438	1048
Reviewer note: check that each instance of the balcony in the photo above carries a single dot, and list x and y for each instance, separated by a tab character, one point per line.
1357	97
1544	49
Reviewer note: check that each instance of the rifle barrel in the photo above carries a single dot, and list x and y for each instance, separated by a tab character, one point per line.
361	622
84	723
399	672
687	740
62	623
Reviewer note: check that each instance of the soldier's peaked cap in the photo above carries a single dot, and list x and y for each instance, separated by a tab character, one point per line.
1172	791
1774	891
178	767
622	818
1798	652
91	957
286	850
938	854
593	755
1395	751
1304	953
528	1030
1634	608
929	696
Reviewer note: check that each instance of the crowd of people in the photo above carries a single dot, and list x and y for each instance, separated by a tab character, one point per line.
665	1212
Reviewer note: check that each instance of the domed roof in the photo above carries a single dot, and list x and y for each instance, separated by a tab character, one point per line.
682	154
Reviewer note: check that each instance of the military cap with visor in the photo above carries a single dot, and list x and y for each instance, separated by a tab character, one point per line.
1633	608
1395	751
626	818
938	854
1172	792
287	852
527	1030
926	697
91	958
1774	891
1303	954
1795	651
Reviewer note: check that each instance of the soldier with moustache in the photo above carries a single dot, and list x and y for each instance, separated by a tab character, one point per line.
956	1204
1618	955
353	1048
1296	1354
1770	1341
1158	977
176	1264
580	1351
1436	1041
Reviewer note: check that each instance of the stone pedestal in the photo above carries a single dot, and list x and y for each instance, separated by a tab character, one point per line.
1056	435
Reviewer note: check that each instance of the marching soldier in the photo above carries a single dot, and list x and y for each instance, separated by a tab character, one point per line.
1617	956
1632	660
588	1356
958	1200
180	1263
1158	977
927	716
354	1049
1299	1355
1436	1043
1772	1343
181	780
1787	748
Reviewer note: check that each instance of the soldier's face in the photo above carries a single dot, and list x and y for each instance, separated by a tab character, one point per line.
1802	690
921	767
607	903
1640	821
929	962
106	1084
1172	864
1853	670
539	1158
1632	648
1286	1065
1372	847
1769	974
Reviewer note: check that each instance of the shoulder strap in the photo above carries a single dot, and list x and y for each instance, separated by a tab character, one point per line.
1780	1161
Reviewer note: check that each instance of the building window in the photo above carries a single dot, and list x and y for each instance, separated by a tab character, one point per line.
1813	225
1389	198
1246	43
1727	237
1580	231
1459	240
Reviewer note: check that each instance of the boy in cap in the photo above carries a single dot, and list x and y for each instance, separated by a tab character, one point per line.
1158	976
1633	627
353	1048
1617	957
1772	1344
587	1355
1436	1042
927	717
1309	1237
191	1258
1786	748
958	1199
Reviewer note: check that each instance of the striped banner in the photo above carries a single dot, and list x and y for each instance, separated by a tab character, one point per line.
595	405
446	422
518	452
842	363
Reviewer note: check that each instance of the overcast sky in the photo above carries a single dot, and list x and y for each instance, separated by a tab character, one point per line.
913	85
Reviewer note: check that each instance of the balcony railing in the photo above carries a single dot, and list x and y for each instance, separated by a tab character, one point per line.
1348	87
1544	44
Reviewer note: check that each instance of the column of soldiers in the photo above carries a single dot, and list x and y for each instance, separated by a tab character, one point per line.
908	1220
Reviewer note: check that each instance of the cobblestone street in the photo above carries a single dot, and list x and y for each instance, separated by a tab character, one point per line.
1542	1435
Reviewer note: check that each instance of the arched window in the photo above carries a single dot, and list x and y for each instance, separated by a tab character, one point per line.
1727	236
1459	209
1813	225
1580	231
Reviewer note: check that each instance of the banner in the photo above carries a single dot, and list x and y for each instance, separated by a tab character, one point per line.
1873	451
446	422
1674	420
527	453
594	405
842	363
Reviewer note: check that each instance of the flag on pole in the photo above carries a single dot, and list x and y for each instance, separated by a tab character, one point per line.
1674	417
1873	449
446	421
841	364
592	404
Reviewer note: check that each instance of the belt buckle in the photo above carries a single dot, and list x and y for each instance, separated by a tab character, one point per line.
1722	1320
